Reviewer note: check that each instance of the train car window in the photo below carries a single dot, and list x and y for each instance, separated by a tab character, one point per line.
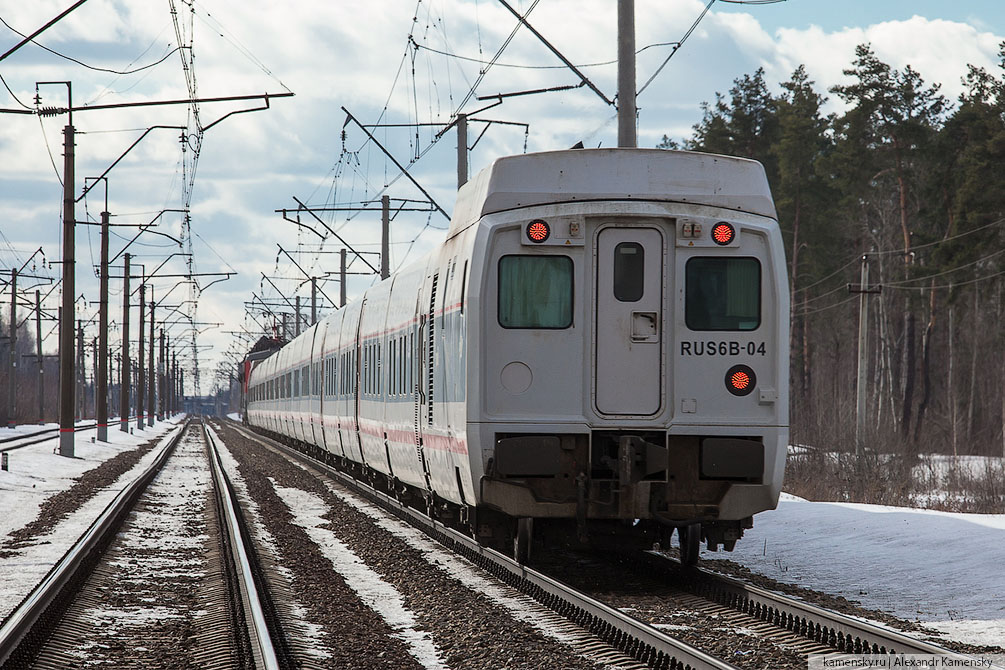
722	293
535	292
629	271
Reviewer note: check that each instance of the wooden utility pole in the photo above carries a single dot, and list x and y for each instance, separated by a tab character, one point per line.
863	290
626	74
125	390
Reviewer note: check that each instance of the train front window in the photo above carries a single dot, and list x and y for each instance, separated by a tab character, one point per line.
722	293
535	292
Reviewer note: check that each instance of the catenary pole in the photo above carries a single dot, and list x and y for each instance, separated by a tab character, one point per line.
385	243
341	278
67	375
314	300
141	380
151	372
101	392
626	74
160	379
12	371
81	372
41	363
462	150
125	390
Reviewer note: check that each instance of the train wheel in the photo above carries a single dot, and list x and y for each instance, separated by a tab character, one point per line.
522	541
690	541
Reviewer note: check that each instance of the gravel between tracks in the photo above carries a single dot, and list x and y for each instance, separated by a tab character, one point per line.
675	612
468	629
142	606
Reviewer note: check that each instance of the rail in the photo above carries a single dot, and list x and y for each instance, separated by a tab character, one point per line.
258	630
631	636
842	632
19	638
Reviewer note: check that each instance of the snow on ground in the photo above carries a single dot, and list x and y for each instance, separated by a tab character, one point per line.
521	607
308	512
36	473
940	568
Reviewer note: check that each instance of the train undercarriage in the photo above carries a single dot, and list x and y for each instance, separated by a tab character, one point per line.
637	493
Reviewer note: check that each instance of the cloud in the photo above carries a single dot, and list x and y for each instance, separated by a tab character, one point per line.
939	50
357	54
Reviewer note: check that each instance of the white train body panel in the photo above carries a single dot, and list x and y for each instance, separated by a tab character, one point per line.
586	374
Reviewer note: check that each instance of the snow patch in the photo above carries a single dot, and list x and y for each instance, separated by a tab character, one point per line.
939	568
308	512
522	608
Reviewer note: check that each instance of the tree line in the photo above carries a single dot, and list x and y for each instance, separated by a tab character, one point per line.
912	183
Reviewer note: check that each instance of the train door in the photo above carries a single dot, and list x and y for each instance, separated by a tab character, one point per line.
357	382
629	320
424	351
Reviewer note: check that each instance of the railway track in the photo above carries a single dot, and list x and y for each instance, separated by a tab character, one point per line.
624	634
795	618
780	621
164	578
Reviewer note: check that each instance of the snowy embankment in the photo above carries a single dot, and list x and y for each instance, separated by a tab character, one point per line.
940	568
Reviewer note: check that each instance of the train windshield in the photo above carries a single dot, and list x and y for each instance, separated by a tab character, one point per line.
723	294
535	292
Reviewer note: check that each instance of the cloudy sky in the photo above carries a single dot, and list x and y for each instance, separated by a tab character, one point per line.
390	62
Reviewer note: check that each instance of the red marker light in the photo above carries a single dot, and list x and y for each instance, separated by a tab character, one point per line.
723	233
740	380
538	231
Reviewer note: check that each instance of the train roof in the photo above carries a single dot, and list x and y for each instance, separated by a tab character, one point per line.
577	175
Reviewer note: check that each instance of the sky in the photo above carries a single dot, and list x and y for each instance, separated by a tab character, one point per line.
387	62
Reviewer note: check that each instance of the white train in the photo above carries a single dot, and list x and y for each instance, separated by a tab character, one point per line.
600	346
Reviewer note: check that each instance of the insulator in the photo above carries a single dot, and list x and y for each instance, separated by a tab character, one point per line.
50	111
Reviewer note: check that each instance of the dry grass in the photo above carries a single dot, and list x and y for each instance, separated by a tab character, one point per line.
929	482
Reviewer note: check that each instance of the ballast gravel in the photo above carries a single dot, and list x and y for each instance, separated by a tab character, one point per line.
468	630
672	610
62	504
